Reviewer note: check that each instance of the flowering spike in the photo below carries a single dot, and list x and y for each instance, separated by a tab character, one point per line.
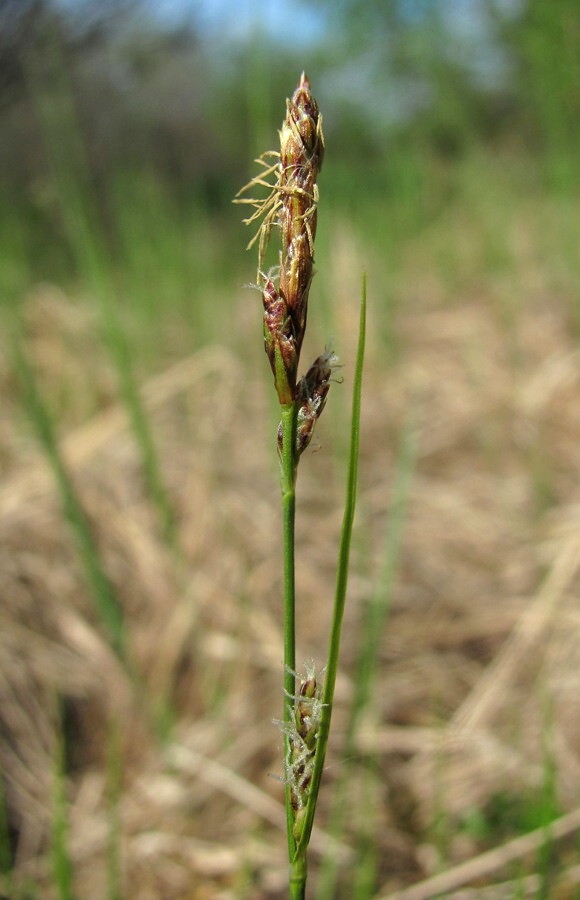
301	155
279	340
301	729
291	204
312	393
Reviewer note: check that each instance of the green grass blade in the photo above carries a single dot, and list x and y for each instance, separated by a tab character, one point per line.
368	651
59	854
341	580
288	488
100	588
380	604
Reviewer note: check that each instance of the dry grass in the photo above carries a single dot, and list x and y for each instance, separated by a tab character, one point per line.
483	642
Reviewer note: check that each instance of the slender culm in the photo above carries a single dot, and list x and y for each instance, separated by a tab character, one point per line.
291	205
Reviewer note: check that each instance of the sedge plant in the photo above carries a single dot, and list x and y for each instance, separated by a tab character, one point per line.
291	205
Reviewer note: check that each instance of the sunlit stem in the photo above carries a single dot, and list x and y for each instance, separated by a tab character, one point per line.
341	583
288	486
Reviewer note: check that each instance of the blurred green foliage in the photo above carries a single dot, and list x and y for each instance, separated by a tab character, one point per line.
409	89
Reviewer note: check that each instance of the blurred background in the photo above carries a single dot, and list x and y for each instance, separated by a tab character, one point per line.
140	644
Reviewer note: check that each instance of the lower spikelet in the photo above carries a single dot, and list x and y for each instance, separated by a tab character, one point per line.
312	391
305	708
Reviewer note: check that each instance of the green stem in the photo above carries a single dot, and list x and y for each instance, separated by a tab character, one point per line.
288	486
297	886
341	584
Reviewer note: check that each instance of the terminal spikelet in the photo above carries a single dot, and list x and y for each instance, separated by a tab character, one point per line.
291	205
